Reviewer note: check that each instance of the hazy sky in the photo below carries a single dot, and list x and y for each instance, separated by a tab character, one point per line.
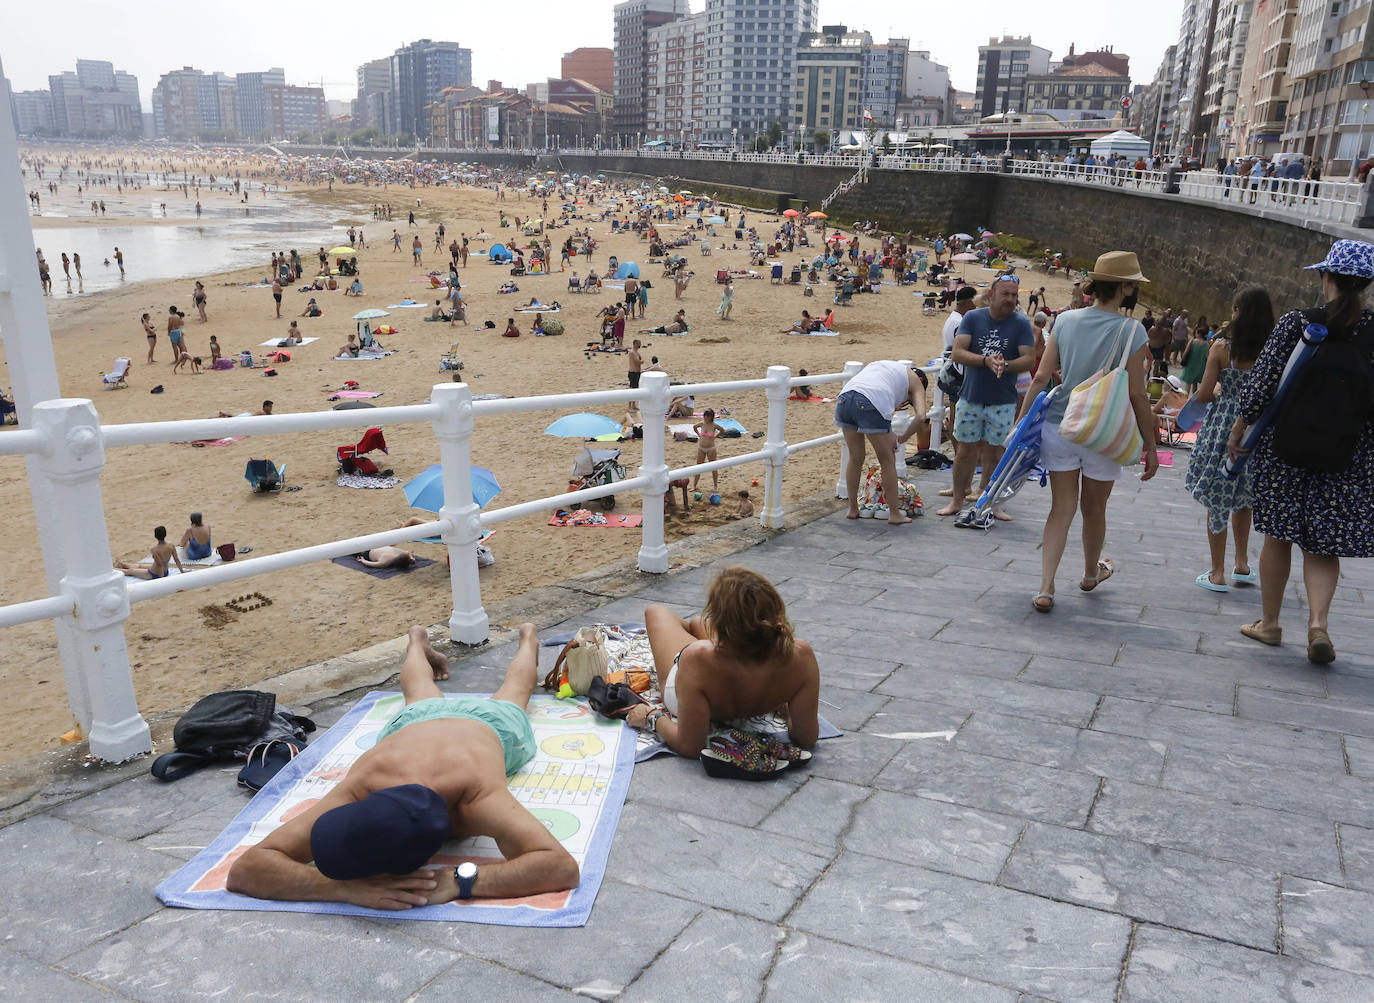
327	42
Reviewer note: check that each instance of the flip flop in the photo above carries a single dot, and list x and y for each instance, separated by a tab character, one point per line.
1035	602
1273	637
1205	581
1105	570
265	761
1251	577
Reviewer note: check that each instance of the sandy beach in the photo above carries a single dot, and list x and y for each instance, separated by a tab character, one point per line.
187	645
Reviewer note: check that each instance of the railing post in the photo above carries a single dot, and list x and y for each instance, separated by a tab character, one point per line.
453	428
653	552
901	421
777	391
99	683
851	370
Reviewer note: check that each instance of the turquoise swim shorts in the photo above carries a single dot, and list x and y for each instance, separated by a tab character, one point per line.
509	722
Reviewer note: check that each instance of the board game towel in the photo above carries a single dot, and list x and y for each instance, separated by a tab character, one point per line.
575	785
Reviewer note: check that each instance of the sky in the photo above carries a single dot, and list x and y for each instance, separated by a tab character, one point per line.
150	37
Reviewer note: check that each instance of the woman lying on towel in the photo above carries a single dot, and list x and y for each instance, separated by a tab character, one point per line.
738	659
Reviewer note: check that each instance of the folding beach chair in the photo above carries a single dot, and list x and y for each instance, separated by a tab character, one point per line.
264	476
845	297
1019	463
775	277
117	379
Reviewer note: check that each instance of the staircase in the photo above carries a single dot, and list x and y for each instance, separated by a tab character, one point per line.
860	177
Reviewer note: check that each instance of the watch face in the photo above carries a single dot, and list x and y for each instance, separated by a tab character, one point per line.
467	870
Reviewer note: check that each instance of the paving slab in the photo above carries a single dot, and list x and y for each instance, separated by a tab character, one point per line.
817	812
967	927
720	956
968	690
990	733
933	834
23	978
1329	925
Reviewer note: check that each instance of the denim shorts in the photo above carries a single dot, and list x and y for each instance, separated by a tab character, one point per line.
853	411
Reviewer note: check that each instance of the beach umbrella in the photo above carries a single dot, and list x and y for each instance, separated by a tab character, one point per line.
791	212
582	426
964	236
988	235
371	313
817	215
343	251
964	258
353	406
551	172
717	220
425	491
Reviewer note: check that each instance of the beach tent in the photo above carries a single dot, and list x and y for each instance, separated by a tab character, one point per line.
1120	143
498	253
626	269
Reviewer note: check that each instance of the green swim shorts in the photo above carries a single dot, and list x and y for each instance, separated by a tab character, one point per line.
509	722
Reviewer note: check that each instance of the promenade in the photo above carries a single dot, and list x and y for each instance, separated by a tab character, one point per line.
1123	800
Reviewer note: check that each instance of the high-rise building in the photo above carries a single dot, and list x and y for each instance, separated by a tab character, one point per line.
1152	114
177	101
751	52
1093	82
1330	114
884	80
676	60
96	100
828	96
295	111
1221	83
254	117
370	107
630	66
927	97
419	71
1003	65
1262	101
1192	60
32	112
594	65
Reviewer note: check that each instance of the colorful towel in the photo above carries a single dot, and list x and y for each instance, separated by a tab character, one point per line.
277	343
354	395
575	785
599	520
814	400
363	356
383	573
366	483
822	333
212	442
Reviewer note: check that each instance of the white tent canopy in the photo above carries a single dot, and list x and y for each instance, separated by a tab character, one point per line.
1120	142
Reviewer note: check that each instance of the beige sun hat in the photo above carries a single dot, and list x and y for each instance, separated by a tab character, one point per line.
1117	266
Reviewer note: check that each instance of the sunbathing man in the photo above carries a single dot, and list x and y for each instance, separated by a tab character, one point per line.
438	771
386	557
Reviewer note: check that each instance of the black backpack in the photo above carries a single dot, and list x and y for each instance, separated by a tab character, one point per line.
226	726
1328	404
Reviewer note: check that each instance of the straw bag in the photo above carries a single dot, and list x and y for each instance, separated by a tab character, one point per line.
581	660
1099	415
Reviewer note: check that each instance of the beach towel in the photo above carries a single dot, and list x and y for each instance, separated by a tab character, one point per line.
202	562
406	305
277	343
539	309
363	356
1166	458
356	565
726	424
221	364
354	395
822	333
598	520
366	483
629	648
813	399
212	442
575	785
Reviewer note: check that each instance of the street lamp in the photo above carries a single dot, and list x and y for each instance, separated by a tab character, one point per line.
1007	115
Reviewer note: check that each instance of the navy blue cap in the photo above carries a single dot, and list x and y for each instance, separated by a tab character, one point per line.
395	830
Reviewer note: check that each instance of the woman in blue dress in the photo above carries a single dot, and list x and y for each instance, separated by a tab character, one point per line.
1228	363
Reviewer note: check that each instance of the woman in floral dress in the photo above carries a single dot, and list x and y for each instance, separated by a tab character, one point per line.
1228	362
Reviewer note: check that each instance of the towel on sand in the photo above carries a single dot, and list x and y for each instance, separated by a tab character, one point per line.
356	565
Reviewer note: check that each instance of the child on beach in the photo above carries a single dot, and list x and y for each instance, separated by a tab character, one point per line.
162	554
214	350
746	507
706	431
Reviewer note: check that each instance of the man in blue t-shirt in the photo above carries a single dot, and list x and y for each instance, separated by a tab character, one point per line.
993	345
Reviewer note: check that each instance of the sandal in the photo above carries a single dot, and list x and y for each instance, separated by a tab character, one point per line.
1205	581
1272	637
740	755
1040	607
1250	577
1105	570
1319	648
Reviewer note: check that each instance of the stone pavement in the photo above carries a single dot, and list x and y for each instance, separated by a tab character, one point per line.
1123	800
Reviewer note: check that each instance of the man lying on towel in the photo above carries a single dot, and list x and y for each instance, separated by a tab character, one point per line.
437	772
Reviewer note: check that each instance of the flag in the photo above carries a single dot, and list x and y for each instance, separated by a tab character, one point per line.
868	115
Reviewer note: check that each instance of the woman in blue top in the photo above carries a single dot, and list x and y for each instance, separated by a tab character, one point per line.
196	539
1085	342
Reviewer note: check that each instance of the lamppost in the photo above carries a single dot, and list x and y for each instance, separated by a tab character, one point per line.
1007	115
1364	110
734	139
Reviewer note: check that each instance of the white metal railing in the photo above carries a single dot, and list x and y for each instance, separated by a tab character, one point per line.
67	444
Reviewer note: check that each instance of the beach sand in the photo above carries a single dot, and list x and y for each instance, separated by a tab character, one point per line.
189	644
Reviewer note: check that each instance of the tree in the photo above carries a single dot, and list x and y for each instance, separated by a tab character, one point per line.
775	134
822	139
330	138
887	142
760	143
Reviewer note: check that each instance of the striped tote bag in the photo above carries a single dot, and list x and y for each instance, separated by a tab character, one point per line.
1099	414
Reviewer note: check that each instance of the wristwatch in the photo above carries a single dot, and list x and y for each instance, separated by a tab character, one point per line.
465	874
651	722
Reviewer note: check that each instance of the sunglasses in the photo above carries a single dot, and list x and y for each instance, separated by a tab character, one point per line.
1007	278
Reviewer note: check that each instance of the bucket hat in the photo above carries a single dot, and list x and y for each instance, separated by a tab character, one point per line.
1348	257
1117	266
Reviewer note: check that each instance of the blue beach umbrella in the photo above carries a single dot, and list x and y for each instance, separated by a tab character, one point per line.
582	426
716	220
425	491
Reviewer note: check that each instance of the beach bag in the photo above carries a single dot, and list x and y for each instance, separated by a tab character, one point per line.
582	659
1099	415
871	500
1327	407
950	379
226	726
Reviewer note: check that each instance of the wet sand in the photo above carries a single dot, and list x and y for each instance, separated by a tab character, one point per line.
189	644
